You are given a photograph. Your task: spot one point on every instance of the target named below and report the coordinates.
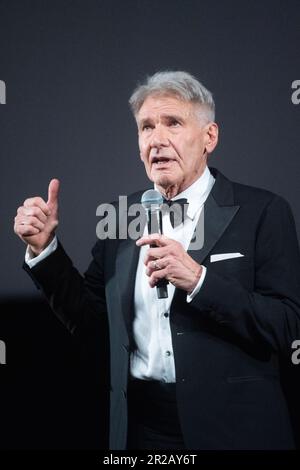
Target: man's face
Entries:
(173, 142)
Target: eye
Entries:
(174, 123)
(146, 127)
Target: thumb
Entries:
(53, 190)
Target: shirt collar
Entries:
(197, 193)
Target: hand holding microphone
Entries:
(152, 201)
(166, 260)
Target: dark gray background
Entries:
(69, 68)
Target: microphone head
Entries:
(151, 200)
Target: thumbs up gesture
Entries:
(36, 220)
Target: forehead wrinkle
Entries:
(166, 105)
(164, 115)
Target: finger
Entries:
(155, 253)
(151, 267)
(154, 266)
(154, 238)
(33, 210)
(26, 230)
(30, 220)
(37, 202)
(53, 190)
(157, 265)
(156, 276)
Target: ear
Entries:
(212, 137)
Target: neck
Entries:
(169, 192)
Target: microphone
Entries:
(151, 202)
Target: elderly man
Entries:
(197, 370)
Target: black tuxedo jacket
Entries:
(226, 342)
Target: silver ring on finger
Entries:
(156, 265)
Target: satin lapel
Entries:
(126, 267)
(126, 264)
(216, 220)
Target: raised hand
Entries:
(36, 220)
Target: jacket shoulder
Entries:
(246, 194)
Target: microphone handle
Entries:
(162, 289)
(155, 226)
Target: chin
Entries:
(163, 178)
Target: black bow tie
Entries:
(179, 209)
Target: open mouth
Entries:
(161, 161)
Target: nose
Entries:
(159, 137)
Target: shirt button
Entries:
(168, 353)
(166, 314)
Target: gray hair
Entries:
(180, 84)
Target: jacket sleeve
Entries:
(270, 314)
(73, 297)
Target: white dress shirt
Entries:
(153, 358)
